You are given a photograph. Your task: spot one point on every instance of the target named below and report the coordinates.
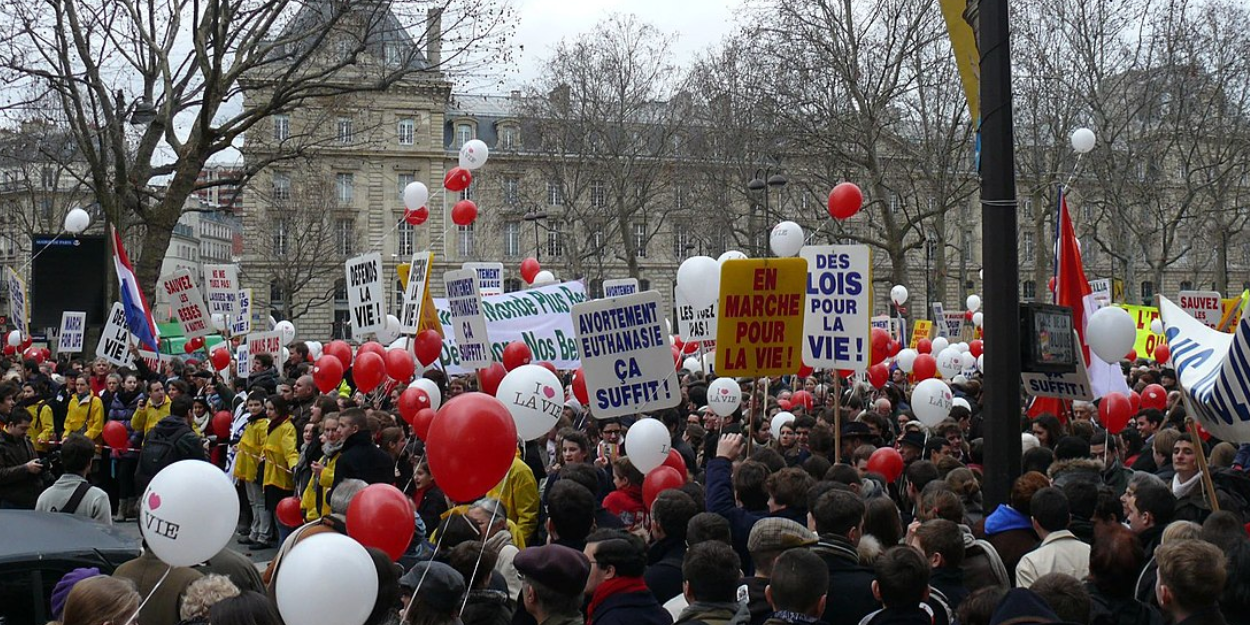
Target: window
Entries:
(679, 199)
(344, 188)
(1187, 285)
(281, 127)
(281, 237)
(894, 203)
(509, 138)
(340, 291)
(931, 247)
(470, 190)
(281, 187)
(345, 236)
(1028, 290)
(644, 285)
(407, 131)
(511, 285)
(555, 194)
(970, 244)
(681, 238)
(405, 239)
(640, 239)
(47, 177)
(1026, 247)
(511, 190)
(343, 48)
(598, 194)
(342, 323)
(596, 288)
(392, 54)
(1147, 291)
(464, 134)
(555, 240)
(403, 181)
(512, 239)
(345, 132)
(464, 241)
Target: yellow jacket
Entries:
(42, 428)
(319, 488)
(519, 493)
(251, 446)
(87, 419)
(281, 456)
(147, 417)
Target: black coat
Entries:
(849, 582)
(663, 573)
(362, 460)
(1104, 610)
(631, 608)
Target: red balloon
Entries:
(488, 379)
(421, 422)
(26, 342)
(845, 200)
(416, 217)
(887, 462)
(380, 516)
(464, 212)
(660, 479)
(399, 364)
(368, 371)
(675, 461)
(9, 350)
(327, 372)
(579, 387)
(676, 357)
(530, 269)
(924, 367)
(1154, 396)
(457, 179)
(895, 346)
(1051, 284)
(802, 398)
(428, 346)
(516, 354)
(289, 512)
(880, 345)
(188, 347)
(340, 350)
(805, 371)
(550, 367)
(1131, 356)
(471, 445)
(412, 401)
(47, 353)
(1162, 353)
(220, 358)
(878, 375)
(115, 435)
(967, 315)
(371, 347)
(1134, 400)
(33, 354)
(1114, 411)
(924, 346)
(784, 404)
(976, 347)
(221, 424)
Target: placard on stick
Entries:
(221, 289)
(417, 285)
(626, 355)
(761, 316)
(693, 323)
(619, 287)
(364, 294)
(18, 310)
(838, 313)
(467, 319)
(114, 345)
(188, 303)
(242, 323)
(73, 327)
(264, 343)
(489, 277)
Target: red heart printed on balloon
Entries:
(549, 392)
(154, 501)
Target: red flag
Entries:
(1071, 287)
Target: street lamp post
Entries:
(765, 180)
(535, 217)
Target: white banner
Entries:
(1206, 307)
(414, 295)
(694, 324)
(1213, 369)
(221, 289)
(188, 303)
(114, 345)
(18, 308)
(626, 355)
(73, 327)
(467, 320)
(365, 296)
(953, 325)
(489, 277)
(618, 287)
(538, 317)
(242, 323)
(836, 326)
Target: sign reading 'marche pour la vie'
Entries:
(760, 330)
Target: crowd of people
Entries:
(774, 525)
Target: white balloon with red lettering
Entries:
(950, 362)
(931, 401)
(724, 395)
(322, 580)
(786, 239)
(286, 331)
(188, 512)
(532, 396)
(473, 154)
(647, 444)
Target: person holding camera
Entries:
(20, 468)
(72, 493)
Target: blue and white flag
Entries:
(1213, 369)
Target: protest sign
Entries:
(836, 326)
(1232, 311)
(954, 325)
(1101, 290)
(73, 327)
(416, 285)
(241, 323)
(538, 317)
(626, 355)
(264, 343)
(188, 303)
(761, 317)
(242, 362)
(694, 324)
(364, 294)
(1207, 307)
(18, 306)
(1072, 385)
(114, 345)
(489, 277)
(1211, 369)
(153, 360)
(922, 330)
(1146, 340)
(618, 287)
(221, 289)
(467, 320)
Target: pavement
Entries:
(260, 557)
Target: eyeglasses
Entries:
(611, 432)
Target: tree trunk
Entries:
(160, 223)
(1221, 263)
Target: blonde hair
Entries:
(203, 593)
(1180, 530)
(100, 599)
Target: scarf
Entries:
(795, 617)
(614, 586)
(275, 423)
(1182, 489)
(330, 448)
(201, 423)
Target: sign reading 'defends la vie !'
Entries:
(364, 294)
(188, 303)
(626, 355)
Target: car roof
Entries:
(43, 535)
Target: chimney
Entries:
(515, 94)
(434, 37)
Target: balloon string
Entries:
(1076, 169)
(403, 618)
(160, 581)
(494, 510)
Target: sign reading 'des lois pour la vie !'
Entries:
(839, 307)
(760, 329)
(626, 355)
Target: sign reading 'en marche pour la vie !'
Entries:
(626, 355)
(760, 330)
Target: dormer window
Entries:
(509, 138)
(464, 134)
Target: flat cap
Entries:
(915, 439)
(856, 429)
(778, 534)
(557, 567)
(442, 588)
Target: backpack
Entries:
(159, 451)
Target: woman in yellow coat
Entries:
(42, 428)
(315, 501)
(249, 457)
(86, 412)
(281, 456)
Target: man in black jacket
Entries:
(264, 374)
(670, 515)
(20, 468)
(170, 441)
(361, 459)
(838, 518)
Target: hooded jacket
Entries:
(1064, 472)
(362, 460)
(18, 486)
(981, 566)
(1011, 533)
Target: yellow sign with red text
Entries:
(760, 327)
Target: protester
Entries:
(1060, 550)
(100, 599)
(72, 493)
(21, 470)
(617, 592)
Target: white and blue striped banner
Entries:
(1213, 369)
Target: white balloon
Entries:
(906, 359)
(898, 294)
(786, 239)
(981, 363)
(544, 277)
(961, 402)
(731, 255)
(959, 379)
(416, 194)
(77, 220)
(533, 398)
(314, 349)
(400, 343)
(647, 444)
(188, 512)
(286, 330)
(779, 419)
(974, 302)
(316, 572)
(1156, 326)
(285, 354)
(15, 338)
(1111, 333)
(939, 344)
(724, 395)
(698, 277)
(436, 396)
(390, 331)
(962, 347)
(931, 401)
(950, 362)
(219, 322)
(1083, 140)
(692, 364)
(473, 154)
(969, 361)
(978, 319)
